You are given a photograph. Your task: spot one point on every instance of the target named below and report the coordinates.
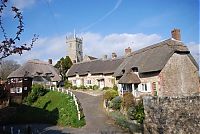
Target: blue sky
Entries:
(105, 25)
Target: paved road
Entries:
(96, 119)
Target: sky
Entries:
(106, 25)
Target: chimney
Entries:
(114, 55)
(128, 51)
(176, 34)
(105, 57)
(50, 61)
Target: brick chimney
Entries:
(50, 61)
(128, 51)
(176, 34)
(114, 55)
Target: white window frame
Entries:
(25, 88)
(12, 90)
(18, 90)
(89, 82)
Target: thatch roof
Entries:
(129, 78)
(153, 58)
(34, 68)
(98, 66)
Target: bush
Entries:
(95, 87)
(136, 113)
(116, 103)
(82, 87)
(37, 91)
(67, 84)
(115, 87)
(90, 87)
(106, 88)
(110, 94)
(128, 100)
(74, 87)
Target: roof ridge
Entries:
(162, 43)
(83, 62)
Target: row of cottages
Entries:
(33, 71)
(164, 69)
(94, 72)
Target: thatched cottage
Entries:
(164, 69)
(95, 72)
(33, 71)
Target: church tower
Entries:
(75, 48)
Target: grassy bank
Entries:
(52, 108)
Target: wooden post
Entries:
(71, 93)
(11, 130)
(79, 115)
(4, 128)
(18, 132)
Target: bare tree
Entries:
(8, 46)
(7, 67)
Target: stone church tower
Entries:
(75, 48)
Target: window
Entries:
(89, 82)
(19, 80)
(12, 90)
(18, 90)
(74, 82)
(144, 87)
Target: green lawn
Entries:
(52, 108)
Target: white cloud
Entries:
(94, 44)
(21, 4)
(98, 45)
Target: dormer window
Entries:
(135, 69)
(123, 71)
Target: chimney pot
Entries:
(50, 61)
(128, 51)
(114, 55)
(176, 34)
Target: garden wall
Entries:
(172, 115)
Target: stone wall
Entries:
(172, 115)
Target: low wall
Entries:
(172, 115)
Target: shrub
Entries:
(106, 88)
(67, 84)
(37, 91)
(128, 100)
(95, 87)
(110, 94)
(115, 87)
(82, 87)
(136, 113)
(116, 103)
(90, 87)
(74, 87)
